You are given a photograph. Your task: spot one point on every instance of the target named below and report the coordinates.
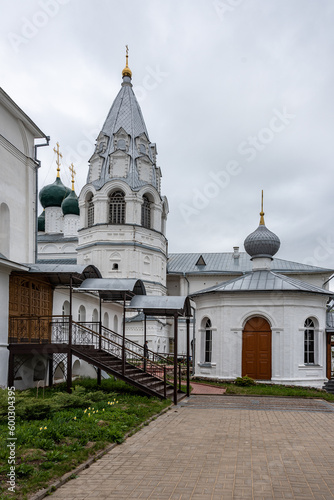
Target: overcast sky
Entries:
(237, 95)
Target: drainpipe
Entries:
(38, 164)
(194, 327)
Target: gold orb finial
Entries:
(127, 71)
(262, 212)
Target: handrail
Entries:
(127, 350)
(153, 354)
(55, 329)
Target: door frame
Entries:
(243, 351)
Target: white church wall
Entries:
(286, 313)
(17, 196)
(71, 225)
(4, 300)
(138, 251)
(54, 220)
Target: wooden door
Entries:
(30, 309)
(256, 349)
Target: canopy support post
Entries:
(100, 343)
(175, 357)
(123, 346)
(188, 356)
(69, 353)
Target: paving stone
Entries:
(220, 447)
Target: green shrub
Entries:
(24, 470)
(33, 410)
(244, 381)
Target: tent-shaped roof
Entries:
(111, 289)
(162, 306)
(264, 281)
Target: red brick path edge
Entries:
(199, 388)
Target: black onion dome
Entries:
(262, 243)
(53, 194)
(70, 205)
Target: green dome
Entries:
(71, 205)
(53, 194)
(41, 222)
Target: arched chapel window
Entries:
(309, 342)
(146, 213)
(117, 208)
(208, 341)
(65, 308)
(82, 313)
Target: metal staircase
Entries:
(104, 349)
(149, 374)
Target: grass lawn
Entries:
(57, 431)
(270, 390)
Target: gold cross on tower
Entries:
(73, 173)
(59, 155)
(262, 212)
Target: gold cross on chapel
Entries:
(59, 155)
(73, 173)
(262, 212)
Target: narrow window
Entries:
(309, 358)
(90, 212)
(146, 213)
(208, 342)
(82, 314)
(117, 208)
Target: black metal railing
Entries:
(38, 329)
(134, 346)
(82, 335)
(63, 330)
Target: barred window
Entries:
(309, 358)
(208, 342)
(146, 213)
(117, 208)
(90, 213)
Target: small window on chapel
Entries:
(115, 267)
(208, 342)
(309, 342)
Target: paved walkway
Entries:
(220, 447)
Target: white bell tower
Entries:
(122, 213)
